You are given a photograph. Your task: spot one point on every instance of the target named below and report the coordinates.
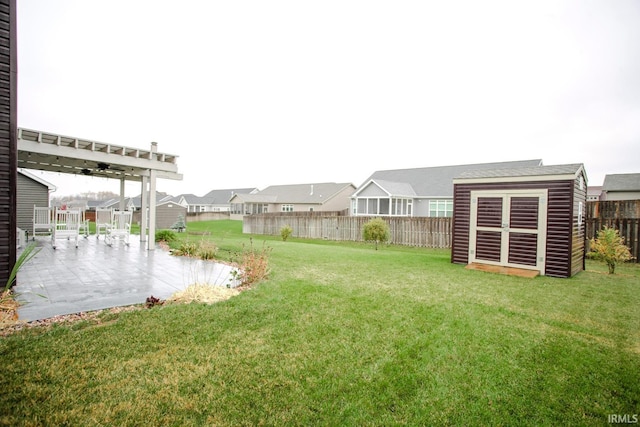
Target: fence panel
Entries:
(424, 232)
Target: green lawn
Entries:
(342, 334)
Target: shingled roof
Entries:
(437, 181)
(622, 182)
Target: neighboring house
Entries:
(625, 186)
(594, 193)
(319, 197)
(213, 201)
(31, 191)
(419, 192)
(131, 203)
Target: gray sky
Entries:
(259, 93)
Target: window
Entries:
(286, 208)
(580, 207)
(440, 208)
(384, 206)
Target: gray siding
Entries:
(167, 215)
(30, 193)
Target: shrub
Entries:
(376, 230)
(285, 232)
(207, 250)
(187, 249)
(165, 236)
(254, 264)
(609, 247)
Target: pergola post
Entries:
(144, 206)
(121, 194)
(152, 199)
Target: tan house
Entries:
(623, 186)
(318, 197)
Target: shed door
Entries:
(508, 228)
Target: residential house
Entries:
(213, 201)
(31, 191)
(593, 193)
(418, 192)
(625, 186)
(319, 197)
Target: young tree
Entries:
(376, 230)
(609, 247)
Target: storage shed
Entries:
(167, 213)
(528, 218)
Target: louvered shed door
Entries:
(508, 229)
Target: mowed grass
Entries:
(342, 334)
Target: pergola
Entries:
(57, 153)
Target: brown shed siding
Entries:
(8, 140)
(559, 255)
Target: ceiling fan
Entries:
(100, 167)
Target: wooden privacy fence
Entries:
(623, 215)
(424, 232)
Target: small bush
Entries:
(376, 230)
(207, 250)
(285, 232)
(609, 247)
(254, 265)
(187, 249)
(165, 236)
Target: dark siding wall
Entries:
(8, 140)
(559, 229)
(461, 223)
(30, 193)
(579, 226)
(559, 222)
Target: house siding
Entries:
(563, 251)
(167, 215)
(30, 193)
(8, 137)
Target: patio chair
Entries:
(120, 228)
(42, 221)
(84, 224)
(66, 225)
(104, 218)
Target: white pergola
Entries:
(57, 153)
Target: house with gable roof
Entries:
(317, 197)
(213, 201)
(417, 192)
(624, 186)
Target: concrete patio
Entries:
(95, 276)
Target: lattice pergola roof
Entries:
(57, 153)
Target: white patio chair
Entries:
(66, 225)
(120, 227)
(42, 221)
(104, 218)
(84, 224)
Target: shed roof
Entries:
(622, 182)
(541, 172)
(438, 181)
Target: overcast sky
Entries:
(259, 93)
